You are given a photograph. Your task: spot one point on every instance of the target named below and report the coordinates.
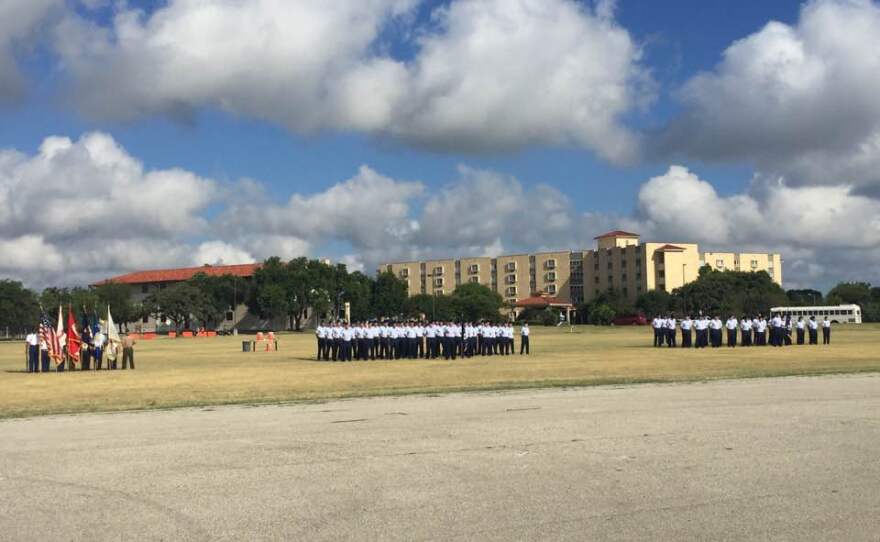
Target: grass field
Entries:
(208, 371)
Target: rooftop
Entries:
(182, 273)
(617, 233)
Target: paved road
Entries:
(781, 459)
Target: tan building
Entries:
(620, 261)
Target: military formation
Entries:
(704, 331)
(340, 341)
(95, 353)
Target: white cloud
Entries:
(824, 233)
(19, 21)
(799, 101)
(491, 74)
(220, 253)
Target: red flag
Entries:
(73, 339)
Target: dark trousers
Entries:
(800, 336)
(33, 359)
(658, 337)
(44, 361)
(826, 335)
(374, 348)
(345, 351)
(686, 338)
(128, 357)
(523, 344)
(760, 338)
(670, 337)
(334, 349)
(85, 356)
(814, 336)
(731, 337)
(319, 356)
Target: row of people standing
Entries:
(340, 341)
(703, 331)
(92, 354)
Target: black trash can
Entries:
(245, 346)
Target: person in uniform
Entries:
(826, 331)
(686, 335)
(669, 327)
(99, 341)
(128, 343)
(657, 324)
(32, 351)
(732, 325)
(44, 356)
(524, 339)
(346, 345)
(787, 331)
(760, 331)
(800, 329)
(813, 328)
(745, 331)
(321, 335)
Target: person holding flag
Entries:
(113, 341)
(49, 344)
(74, 343)
(86, 345)
(62, 342)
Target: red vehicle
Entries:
(631, 320)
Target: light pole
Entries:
(683, 291)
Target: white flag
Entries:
(59, 329)
(112, 333)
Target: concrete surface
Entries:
(778, 459)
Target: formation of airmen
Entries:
(340, 341)
(704, 331)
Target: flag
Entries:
(73, 339)
(49, 337)
(112, 333)
(86, 329)
(59, 329)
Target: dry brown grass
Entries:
(189, 372)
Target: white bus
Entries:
(838, 314)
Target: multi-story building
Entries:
(619, 261)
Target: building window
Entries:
(623, 263)
(596, 280)
(474, 269)
(511, 291)
(474, 280)
(145, 319)
(638, 276)
(754, 264)
(623, 277)
(145, 289)
(438, 282)
(229, 316)
(510, 267)
(610, 279)
(661, 274)
(510, 279)
(609, 265)
(551, 276)
(162, 286)
(438, 292)
(719, 264)
(550, 264)
(625, 292)
(438, 270)
(404, 273)
(551, 289)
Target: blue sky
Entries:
(675, 40)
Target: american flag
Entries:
(48, 335)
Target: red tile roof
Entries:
(183, 273)
(671, 248)
(617, 233)
(541, 301)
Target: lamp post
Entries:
(683, 282)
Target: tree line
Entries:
(279, 290)
(728, 292)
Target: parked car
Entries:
(631, 320)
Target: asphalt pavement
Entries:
(765, 459)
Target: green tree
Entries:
(389, 295)
(845, 293)
(19, 307)
(433, 307)
(222, 293)
(118, 297)
(602, 315)
(472, 302)
(179, 303)
(730, 292)
(654, 302)
(804, 298)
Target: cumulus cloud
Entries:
(824, 233)
(19, 21)
(794, 100)
(311, 66)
